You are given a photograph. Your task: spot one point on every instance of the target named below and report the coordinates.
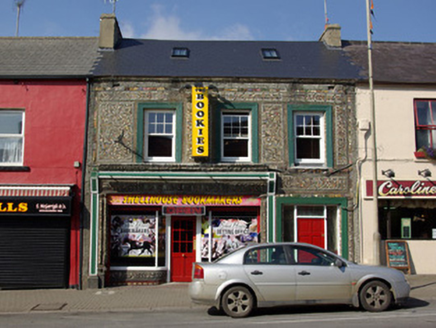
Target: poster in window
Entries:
(228, 234)
(133, 235)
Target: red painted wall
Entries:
(53, 140)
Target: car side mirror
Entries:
(339, 263)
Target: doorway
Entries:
(182, 248)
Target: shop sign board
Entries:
(184, 210)
(182, 200)
(34, 206)
(397, 254)
(396, 189)
(200, 122)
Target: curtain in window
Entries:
(10, 150)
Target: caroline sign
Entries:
(200, 122)
(393, 188)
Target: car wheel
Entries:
(237, 302)
(375, 296)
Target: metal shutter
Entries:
(34, 252)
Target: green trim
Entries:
(254, 110)
(340, 201)
(329, 128)
(140, 128)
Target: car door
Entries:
(269, 270)
(318, 277)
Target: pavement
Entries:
(169, 296)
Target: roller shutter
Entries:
(34, 252)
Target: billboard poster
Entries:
(228, 234)
(133, 235)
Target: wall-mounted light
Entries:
(424, 173)
(388, 173)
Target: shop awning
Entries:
(35, 191)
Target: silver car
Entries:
(265, 275)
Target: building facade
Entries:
(404, 97)
(42, 131)
(197, 148)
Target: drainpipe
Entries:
(82, 196)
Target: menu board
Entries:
(397, 255)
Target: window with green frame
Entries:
(237, 130)
(159, 132)
(310, 136)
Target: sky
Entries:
(278, 20)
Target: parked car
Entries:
(266, 275)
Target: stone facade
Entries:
(113, 145)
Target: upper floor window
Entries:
(11, 137)
(236, 136)
(425, 123)
(158, 139)
(310, 136)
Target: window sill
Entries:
(14, 169)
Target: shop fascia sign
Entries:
(200, 122)
(393, 188)
(35, 206)
(183, 210)
(182, 200)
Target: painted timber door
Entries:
(311, 231)
(183, 248)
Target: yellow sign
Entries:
(200, 122)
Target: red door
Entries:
(183, 248)
(311, 231)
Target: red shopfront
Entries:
(156, 238)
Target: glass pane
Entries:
(316, 131)
(152, 117)
(308, 148)
(169, 118)
(159, 128)
(151, 128)
(236, 148)
(160, 117)
(11, 150)
(168, 128)
(310, 211)
(11, 123)
(423, 112)
(422, 138)
(160, 146)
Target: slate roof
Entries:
(395, 62)
(47, 57)
(298, 60)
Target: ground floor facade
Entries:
(150, 227)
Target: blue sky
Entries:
(283, 20)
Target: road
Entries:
(415, 314)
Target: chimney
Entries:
(332, 35)
(110, 33)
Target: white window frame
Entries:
(21, 135)
(249, 137)
(322, 140)
(171, 158)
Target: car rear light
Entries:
(198, 272)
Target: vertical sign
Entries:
(200, 122)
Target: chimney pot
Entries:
(332, 35)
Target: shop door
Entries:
(311, 231)
(183, 248)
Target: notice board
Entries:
(397, 255)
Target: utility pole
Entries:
(376, 234)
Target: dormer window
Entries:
(270, 53)
(180, 53)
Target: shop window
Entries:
(137, 240)
(11, 137)
(399, 222)
(159, 133)
(227, 232)
(238, 135)
(425, 124)
(310, 141)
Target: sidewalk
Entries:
(139, 298)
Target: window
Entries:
(157, 139)
(310, 141)
(180, 52)
(236, 136)
(11, 137)
(266, 255)
(270, 54)
(425, 123)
